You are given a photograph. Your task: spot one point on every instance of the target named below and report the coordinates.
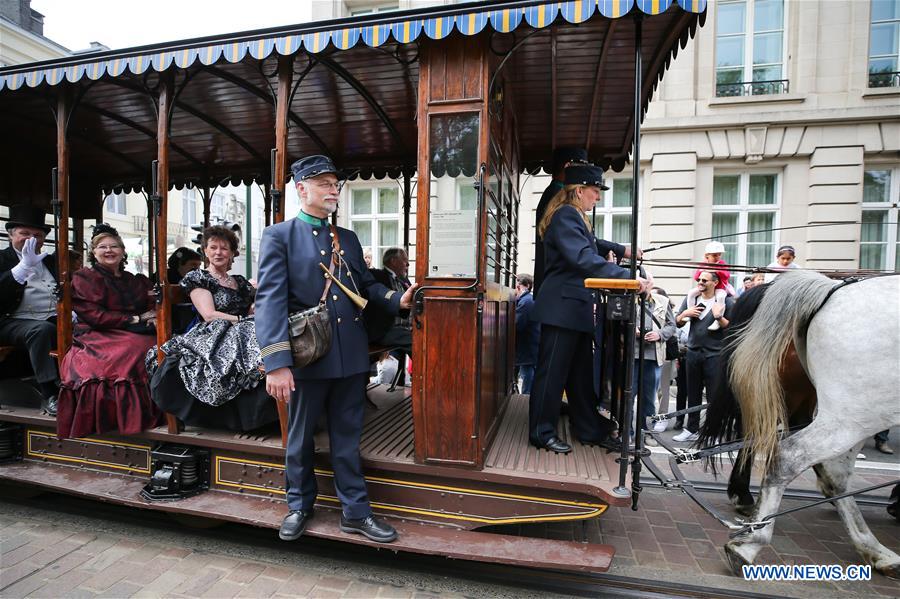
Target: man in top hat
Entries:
(291, 279)
(27, 302)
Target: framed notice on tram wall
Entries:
(451, 251)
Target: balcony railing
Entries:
(888, 79)
(752, 88)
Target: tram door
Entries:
(464, 336)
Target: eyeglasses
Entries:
(704, 280)
(104, 248)
(337, 185)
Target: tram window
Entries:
(453, 216)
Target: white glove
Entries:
(24, 270)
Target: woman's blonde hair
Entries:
(568, 195)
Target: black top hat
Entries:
(311, 166)
(25, 215)
(585, 174)
(568, 154)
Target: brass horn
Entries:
(359, 301)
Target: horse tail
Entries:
(722, 423)
(759, 347)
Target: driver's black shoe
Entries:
(48, 405)
(554, 444)
(370, 527)
(294, 524)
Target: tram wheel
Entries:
(195, 522)
(19, 492)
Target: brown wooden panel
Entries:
(444, 401)
(456, 70)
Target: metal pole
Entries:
(248, 235)
(407, 207)
(621, 489)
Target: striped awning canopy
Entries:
(355, 95)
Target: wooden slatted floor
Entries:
(388, 438)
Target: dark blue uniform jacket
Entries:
(570, 257)
(528, 331)
(290, 279)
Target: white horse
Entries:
(850, 348)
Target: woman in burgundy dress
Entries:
(103, 379)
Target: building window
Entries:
(356, 8)
(884, 44)
(879, 240)
(375, 218)
(189, 206)
(612, 217)
(115, 203)
(217, 207)
(745, 208)
(750, 48)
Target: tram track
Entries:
(242, 540)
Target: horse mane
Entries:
(759, 349)
(722, 423)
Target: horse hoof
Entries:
(891, 571)
(735, 560)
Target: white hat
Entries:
(714, 247)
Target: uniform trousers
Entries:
(343, 401)
(37, 337)
(565, 362)
(702, 372)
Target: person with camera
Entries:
(292, 258)
(704, 344)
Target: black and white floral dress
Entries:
(211, 375)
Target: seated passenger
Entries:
(27, 303)
(382, 328)
(104, 382)
(182, 261)
(386, 330)
(211, 374)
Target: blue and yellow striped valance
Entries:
(370, 34)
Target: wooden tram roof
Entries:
(356, 99)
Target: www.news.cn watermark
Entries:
(832, 572)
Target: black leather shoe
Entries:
(554, 444)
(293, 525)
(606, 443)
(48, 405)
(370, 527)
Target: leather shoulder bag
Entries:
(310, 330)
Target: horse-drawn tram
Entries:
(455, 103)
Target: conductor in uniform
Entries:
(291, 279)
(565, 309)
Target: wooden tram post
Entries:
(463, 319)
(61, 209)
(275, 198)
(161, 181)
(279, 158)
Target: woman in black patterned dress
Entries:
(211, 375)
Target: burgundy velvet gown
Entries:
(104, 383)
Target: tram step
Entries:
(267, 513)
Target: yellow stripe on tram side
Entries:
(479, 519)
(427, 486)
